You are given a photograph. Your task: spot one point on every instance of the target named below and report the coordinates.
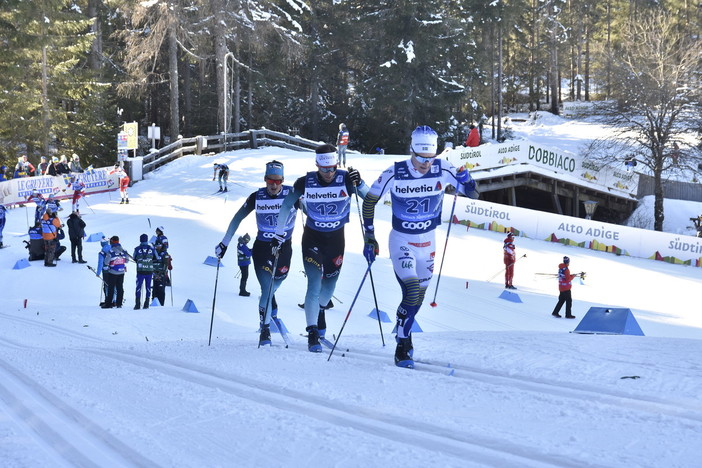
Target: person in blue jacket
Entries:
(102, 271)
(145, 257)
(243, 256)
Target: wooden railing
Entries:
(213, 144)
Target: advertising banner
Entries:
(578, 232)
(17, 191)
(519, 152)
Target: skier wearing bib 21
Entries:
(417, 188)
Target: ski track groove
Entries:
(577, 391)
(446, 440)
(463, 446)
(74, 439)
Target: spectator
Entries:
(630, 163)
(161, 278)
(76, 233)
(145, 257)
(54, 166)
(243, 255)
(564, 284)
(473, 137)
(510, 257)
(103, 271)
(36, 242)
(3, 214)
(342, 142)
(223, 170)
(75, 166)
(161, 239)
(3, 173)
(49, 227)
(116, 262)
(62, 167)
(23, 168)
(43, 167)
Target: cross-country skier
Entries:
(221, 171)
(565, 282)
(123, 183)
(417, 189)
(327, 192)
(267, 202)
(78, 188)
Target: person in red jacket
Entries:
(565, 279)
(123, 183)
(510, 257)
(473, 137)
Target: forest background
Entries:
(72, 72)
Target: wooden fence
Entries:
(224, 142)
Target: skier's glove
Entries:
(462, 175)
(371, 247)
(276, 242)
(220, 250)
(354, 176)
(582, 275)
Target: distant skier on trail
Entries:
(267, 203)
(342, 142)
(327, 192)
(221, 172)
(123, 183)
(417, 189)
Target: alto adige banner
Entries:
(578, 232)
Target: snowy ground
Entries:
(82, 386)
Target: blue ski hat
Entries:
(274, 168)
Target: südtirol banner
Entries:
(577, 232)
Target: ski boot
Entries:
(265, 337)
(403, 353)
(137, 306)
(146, 304)
(321, 323)
(313, 339)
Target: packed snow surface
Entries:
(498, 383)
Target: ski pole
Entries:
(365, 275)
(375, 297)
(85, 199)
(503, 269)
(443, 255)
(214, 298)
(170, 280)
(270, 292)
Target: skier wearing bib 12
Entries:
(328, 193)
(417, 188)
(267, 202)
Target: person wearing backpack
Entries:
(116, 260)
(145, 258)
